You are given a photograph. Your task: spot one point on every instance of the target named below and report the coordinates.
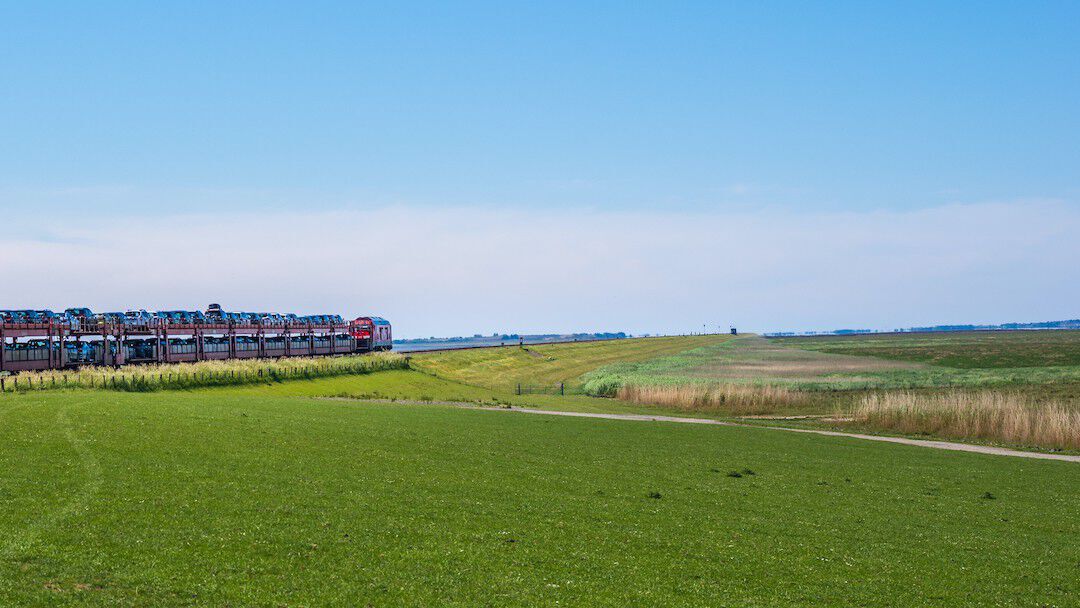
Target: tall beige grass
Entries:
(988, 415)
(168, 376)
(735, 399)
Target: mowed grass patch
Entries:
(548, 365)
(224, 497)
(963, 350)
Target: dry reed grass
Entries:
(228, 372)
(988, 415)
(734, 399)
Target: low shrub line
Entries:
(173, 376)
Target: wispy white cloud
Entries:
(476, 269)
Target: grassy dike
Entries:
(549, 364)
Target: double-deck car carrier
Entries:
(40, 340)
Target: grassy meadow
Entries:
(758, 361)
(1014, 388)
(287, 494)
(960, 350)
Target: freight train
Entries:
(32, 340)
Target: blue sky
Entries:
(794, 113)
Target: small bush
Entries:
(606, 386)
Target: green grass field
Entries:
(267, 496)
(420, 388)
(856, 364)
(1041, 365)
(371, 490)
(963, 350)
(1025, 396)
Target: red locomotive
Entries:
(373, 332)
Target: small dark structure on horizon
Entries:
(734, 331)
